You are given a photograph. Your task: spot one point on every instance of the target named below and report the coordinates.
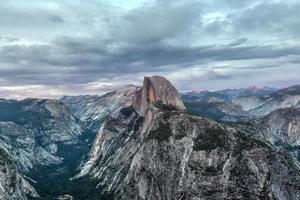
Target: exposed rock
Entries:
(237, 103)
(13, 185)
(58, 124)
(261, 106)
(19, 142)
(93, 109)
(248, 103)
(148, 147)
(36, 133)
(186, 157)
(154, 150)
(65, 197)
(156, 88)
(32, 127)
(281, 128)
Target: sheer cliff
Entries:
(153, 149)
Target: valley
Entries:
(150, 142)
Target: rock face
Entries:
(20, 142)
(93, 109)
(59, 124)
(154, 150)
(31, 130)
(248, 103)
(230, 105)
(34, 133)
(156, 88)
(184, 157)
(281, 128)
(148, 147)
(13, 185)
(261, 106)
(49, 119)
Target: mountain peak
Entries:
(255, 88)
(155, 89)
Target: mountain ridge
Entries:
(136, 154)
(143, 142)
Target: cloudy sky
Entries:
(49, 48)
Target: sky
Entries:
(61, 47)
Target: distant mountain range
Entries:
(150, 142)
(229, 105)
(228, 94)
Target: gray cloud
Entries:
(68, 62)
(238, 42)
(151, 24)
(8, 39)
(280, 18)
(271, 18)
(63, 45)
(56, 19)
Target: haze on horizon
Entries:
(60, 47)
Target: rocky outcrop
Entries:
(156, 88)
(155, 150)
(45, 141)
(248, 103)
(261, 106)
(241, 103)
(181, 156)
(23, 147)
(148, 147)
(281, 128)
(13, 185)
(32, 129)
(57, 123)
(92, 109)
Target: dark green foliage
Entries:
(126, 112)
(204, 95)
(211, 171)
(211, 138)
(181, 131)
(204, 109)
(212, 191)
(266, 194)
(5, 158)
(248, 142)
(162, 133)
(54, 180)
(242, 176)
(165, 107)
(292, 91)
(14, 111)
